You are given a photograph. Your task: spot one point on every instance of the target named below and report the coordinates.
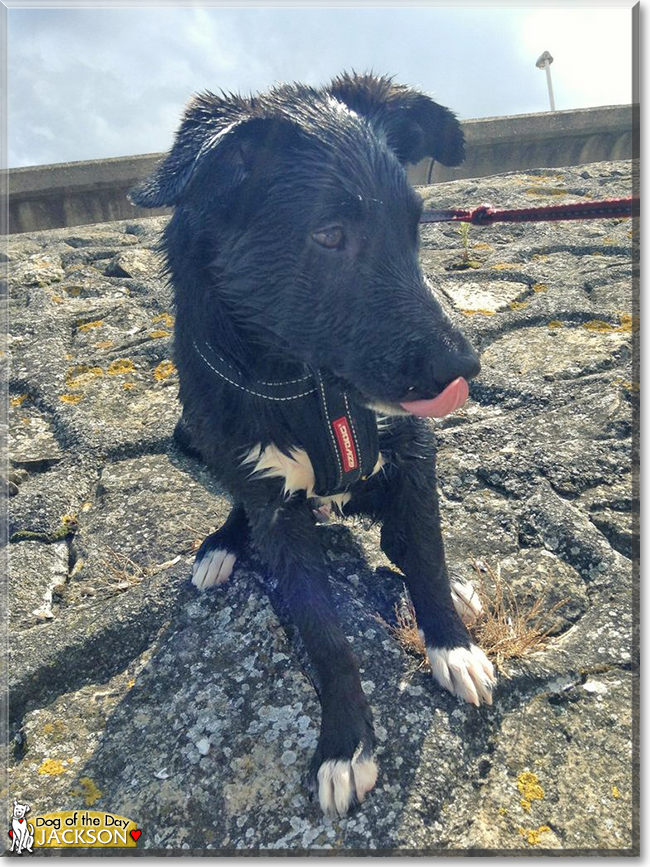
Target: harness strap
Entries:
(338, 433)
(342, 441)
(290, 389)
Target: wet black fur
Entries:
(252, 180)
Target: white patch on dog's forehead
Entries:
(340, 107)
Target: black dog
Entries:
(309, 347)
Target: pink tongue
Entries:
(449, 400)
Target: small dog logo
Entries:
(22, 832)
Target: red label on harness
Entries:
(346, 445)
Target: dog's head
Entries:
(297, 205)
(20, 810)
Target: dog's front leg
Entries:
(412, 539)
(343, 769)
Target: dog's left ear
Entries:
(415, 126)
(218, 144)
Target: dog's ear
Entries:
(217, 138)
(415, 126)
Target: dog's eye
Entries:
(331, 239)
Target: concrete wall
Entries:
(549, 139)
(74, 194)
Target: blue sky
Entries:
(86, 83)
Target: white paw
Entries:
(466, 601)
(342, 784)
(464, 671)
(214, 568)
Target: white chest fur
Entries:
(297, 471)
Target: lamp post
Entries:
(544, 62)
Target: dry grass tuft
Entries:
(127, 573)
(124, 571)
(197, 536)
(503, 629)
(405, 632)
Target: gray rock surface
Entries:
(192, 714)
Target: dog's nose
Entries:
(449, 366)
(431, 379)
(470, 365)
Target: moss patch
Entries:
(52, 767)
(533, 835)
(627, 324)
(481, 311)
(529, 788)
(80, 375)
(120, 365)
(91, 794)
(165, 319)
(556, 192)
(87, 326)
(164, 370)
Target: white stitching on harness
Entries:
(222, 360)
(248, 390)
(288, 381)
(321, 392)
(274, 384)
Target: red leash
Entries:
(485, 215)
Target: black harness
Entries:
(338, 433)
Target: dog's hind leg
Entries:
(342, 770)
(217, 556)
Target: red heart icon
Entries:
(135, 834)
(21, 821)
(11, 834)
